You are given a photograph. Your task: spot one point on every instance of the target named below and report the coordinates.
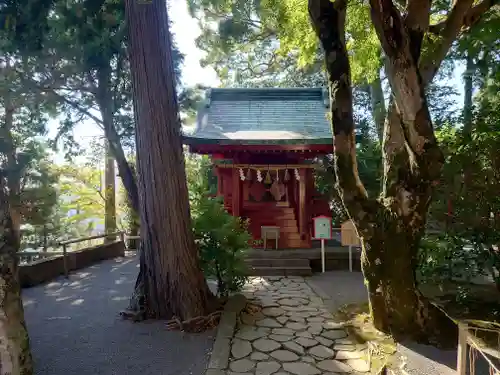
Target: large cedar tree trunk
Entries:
(391, 227)
(174, 282)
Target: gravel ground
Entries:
(420, 359)
(75, 328)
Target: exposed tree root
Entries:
(196, 324)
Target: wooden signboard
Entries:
(348, 234)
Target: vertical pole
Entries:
(122, 237)
(236, 193)
(323, 255)
(462, 349)
(302, 203)
(65, 261)
(350, 258)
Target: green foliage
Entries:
(222, 239)
(467, 203)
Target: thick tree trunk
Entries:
(174, 282)
(397, 307)
(110, 194)
(15, 354)
(390, 228)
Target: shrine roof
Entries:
(263, 116)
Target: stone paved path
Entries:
(293, 334)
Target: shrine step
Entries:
(280, 271)
(278, 267)
(277, 262)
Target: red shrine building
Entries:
(263, 144)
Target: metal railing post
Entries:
(462, 349)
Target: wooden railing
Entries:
(30, 256)
(471, 347)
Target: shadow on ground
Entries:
(348, 287)
(75, 328)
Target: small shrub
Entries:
(222, 240)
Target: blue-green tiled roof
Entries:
(267, 115)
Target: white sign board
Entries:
(322, 228)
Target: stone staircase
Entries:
(278, 267)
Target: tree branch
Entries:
(328, 21)
(407, 88)
(417, 22)
(462, 15)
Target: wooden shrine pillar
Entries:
(236, 199)
(218, 174)
(302, 204)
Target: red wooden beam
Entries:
(224, 149)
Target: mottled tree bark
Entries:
(15, 354)
(390, 227)
(174, 282)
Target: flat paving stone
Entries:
(305, 334)
(289, 302)
(281, 338)
(266, 345)
(242, 365)
(324, 341)
(258, 356)
(284, 355)
(305, 342)
(315, 319)
(296, 326)
(332, 325)
(273, 311)
(301, 368)
(334, 366)
(283, 331)
(343, 347)
(282, 319)
(249, 333)
(322, 352)
(267, 368)
(334, 334)
(294, 347)
(240, 348)
(268, 322)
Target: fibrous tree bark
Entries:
(174, 283)
(15, 355)
(392, 225)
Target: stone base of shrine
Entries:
(300, 262)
